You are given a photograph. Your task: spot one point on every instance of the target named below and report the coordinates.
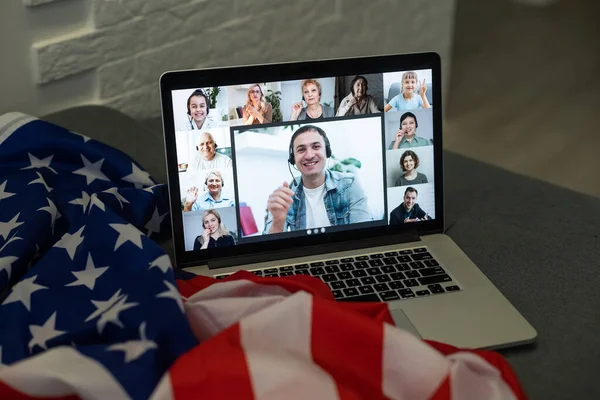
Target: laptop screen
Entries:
(259, 162)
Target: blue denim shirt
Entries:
(345, 203)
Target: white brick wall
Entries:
(129, 43)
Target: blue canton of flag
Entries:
(82, 283)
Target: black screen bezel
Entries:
(227, 76)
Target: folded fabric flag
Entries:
(90, 308)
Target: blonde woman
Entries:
(311, 94)
(215, 234)
(256, 110)
(412, 96)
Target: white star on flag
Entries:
(7, 227)
(109, 310)
(116, 193)
(7, 262)
(42, 334)
(139, 177)
(83, 201)
(95, 201)
(3, 193)
(22, 292)
(91, 171)
(127, 233)
(172, 293)
(54, 214)
(37, 163)
(41, 180)
(88, 276)
(134, 349)
(163, 263)
(70, 242)
(154, 224)
(150, 189)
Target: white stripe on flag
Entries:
(474, 378)
(411, 368)
(12, 121)
(62, 371)
(163, 390)
(277, 344)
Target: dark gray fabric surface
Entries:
(539, 244)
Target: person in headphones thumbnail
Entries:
(207, 157)
(358, 102)
(215, 234)
(409, 162)
(212, 197)
(322, 197)
(198, 106)
(256, 111)
(406, 136)
(409, 210)
(311, 94)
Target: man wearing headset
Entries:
(212, 197)
(322, 197)
(198, 106)
(207, 157)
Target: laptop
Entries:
(333, 169)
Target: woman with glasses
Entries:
(256, 110)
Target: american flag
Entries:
(90, 306)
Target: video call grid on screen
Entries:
(226, 124)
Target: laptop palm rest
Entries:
(403, 322)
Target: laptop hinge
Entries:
(404, 237)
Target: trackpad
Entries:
(403, 322)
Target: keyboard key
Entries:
(286, 273)
(301, 266)
(257, 272)
(344, 275)
(388, 269)
(403, 267)
(317, 264)
(404, 259)
(361, 264)
(416, 265)
(383, 278)
(373, 298)
(397, 276)
(452, 288)
(405, 252)
(421, 256)
(430, 280)
(412, 274)
(270, 271)
(396, 285)
(221, 276)
(303, 272)
(391, 254)
(432, 271)
(361, 258)
(346, 267)
(332, 262)
(330, 269)
(378, 255)
(374, 271)
(389, 261)
(271, 276)
(316, 271)
(431, 263)
(337, 285)
(350, 292)
(359, 273)
(337, 294)
(410, 282)
(437, 288)
(353, 282)
(423, 293)
(381, 287)
(420, 250)
(375, 263)
(329, 277)
(388, 296)
(406, 293)
(287, 268)
(366, 290)
(369, 280)
(347, 260)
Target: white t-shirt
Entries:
(316, 215)
(220, 161)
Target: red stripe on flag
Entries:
(349, 347)
(7, 392)
(216, 369)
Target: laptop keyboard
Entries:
(374, 277)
